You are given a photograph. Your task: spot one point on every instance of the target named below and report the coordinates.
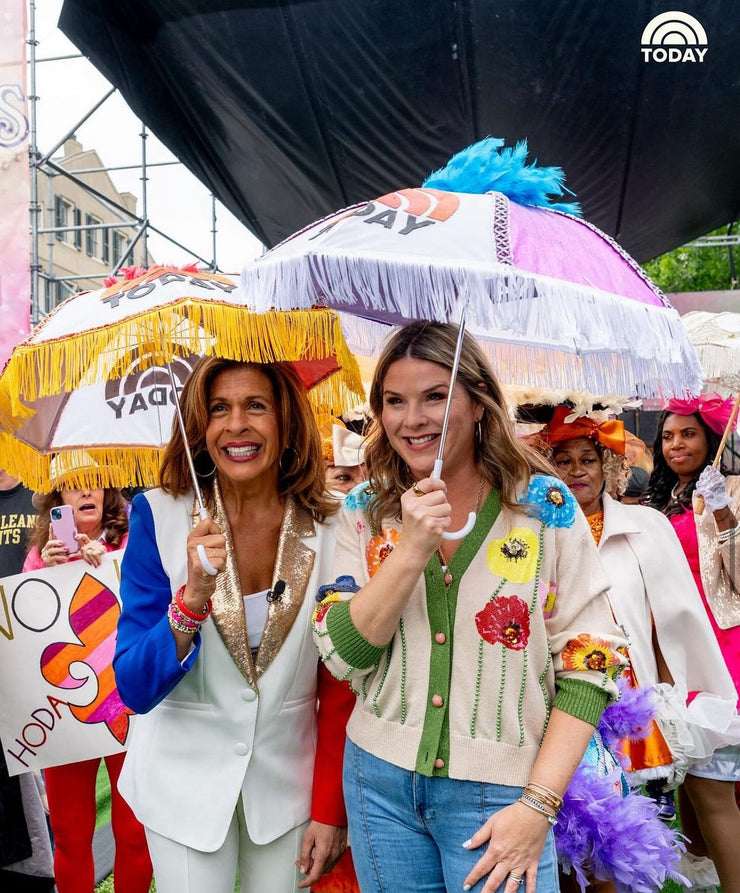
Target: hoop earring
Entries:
(199, 460)
(294, 462)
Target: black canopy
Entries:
(290, 109)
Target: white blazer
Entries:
(216, 737)
(651, 583)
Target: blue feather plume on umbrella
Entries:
(488, 166)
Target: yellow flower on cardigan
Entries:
(514, 557)
(588, 653)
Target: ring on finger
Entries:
(417, 490)
(515, 877)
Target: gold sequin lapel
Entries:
(293, 566)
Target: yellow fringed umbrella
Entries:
(96, 380)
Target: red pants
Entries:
(72, 812)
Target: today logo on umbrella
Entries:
(142, 389)
(158, 278)
(674, 37)
(410, 209)
(404, 211)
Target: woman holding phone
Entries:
(98, 524)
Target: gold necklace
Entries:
(447, 575)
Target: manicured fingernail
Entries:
(466, 886)
(467, 845)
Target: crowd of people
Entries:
(352, 672)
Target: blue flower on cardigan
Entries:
(553, 502)
(359, 497)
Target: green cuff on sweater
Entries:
(349, 643)
(581, 699)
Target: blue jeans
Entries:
(407, 830)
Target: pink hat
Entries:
(714, 410)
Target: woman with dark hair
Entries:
(481, 664)
(223, 762)
(703, 505)
(101, 520)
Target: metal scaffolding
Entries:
(42, 280)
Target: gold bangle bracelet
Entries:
(544, 795)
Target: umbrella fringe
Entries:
(644, 345)
(41, 368)
(720, 364)
(114, 467)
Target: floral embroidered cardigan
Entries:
(466, 685)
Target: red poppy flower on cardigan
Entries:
(505, 620)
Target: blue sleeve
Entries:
(145, 663)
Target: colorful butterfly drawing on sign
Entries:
(57, 639)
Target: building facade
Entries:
(86, 225)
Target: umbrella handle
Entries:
(201, 550)
(469, 524)
(463, 531)
(728, 429)
(437, 472)
(202, 511)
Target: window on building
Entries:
(92, 237)
(63, 290)
(120, 243)
(63, 217)
(78, 232)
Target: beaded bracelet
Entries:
(188, 612)
(728, 534)
(538, 807)
(179, 622)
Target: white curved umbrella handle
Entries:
(463, 531)
(201, 550)
(469, 524)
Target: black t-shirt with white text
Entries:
(17, 520)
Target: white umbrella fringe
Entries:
(616, 344)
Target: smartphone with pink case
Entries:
(63, 527)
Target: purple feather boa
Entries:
(629, 717)
(605, 836)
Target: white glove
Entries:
(711, 486)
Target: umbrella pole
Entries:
(207, 566)
(437, 471)
(728, 429)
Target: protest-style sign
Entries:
(57, 640)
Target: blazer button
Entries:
(437, 700)
(439, 764)
(440, 638)
(241, 749)
(249, 694)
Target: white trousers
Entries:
(271, 866)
